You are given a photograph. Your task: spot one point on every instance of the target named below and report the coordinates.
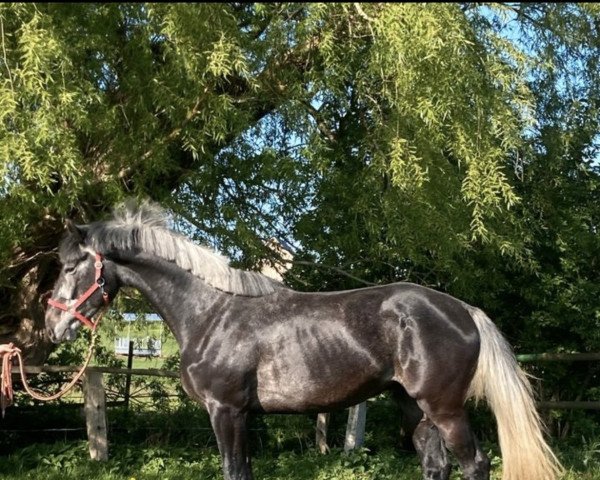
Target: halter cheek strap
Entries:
(97, 285)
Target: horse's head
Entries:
(86, 283)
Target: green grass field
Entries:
(66, 461)
(177, 443)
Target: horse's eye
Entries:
(70, 269)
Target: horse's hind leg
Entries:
(425, 437)
(458, 437)
(432, 452)
(411, 415)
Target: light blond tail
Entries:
(498, 378)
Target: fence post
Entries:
(128, 376)
(355, 431)
(95, 415)
(321, 434)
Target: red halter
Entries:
(97, 285)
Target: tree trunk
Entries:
(30, 277)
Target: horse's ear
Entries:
(79, 231)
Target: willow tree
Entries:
(379, 134)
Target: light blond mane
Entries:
(145, 227)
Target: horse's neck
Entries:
(180, 298)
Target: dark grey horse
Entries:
(249, 344)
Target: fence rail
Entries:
(558, 357)
(152, 372)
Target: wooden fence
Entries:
(95, 400)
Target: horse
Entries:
(249, 344)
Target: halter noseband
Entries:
(97, 285)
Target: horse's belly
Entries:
(298, 388)
(315, 365)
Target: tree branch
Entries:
(10, 79)
(335, 269)
(321, 125)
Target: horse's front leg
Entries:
(229, 425)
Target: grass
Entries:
(178, 444)
(69, 461)
(66, 461)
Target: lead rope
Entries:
(6, 390)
